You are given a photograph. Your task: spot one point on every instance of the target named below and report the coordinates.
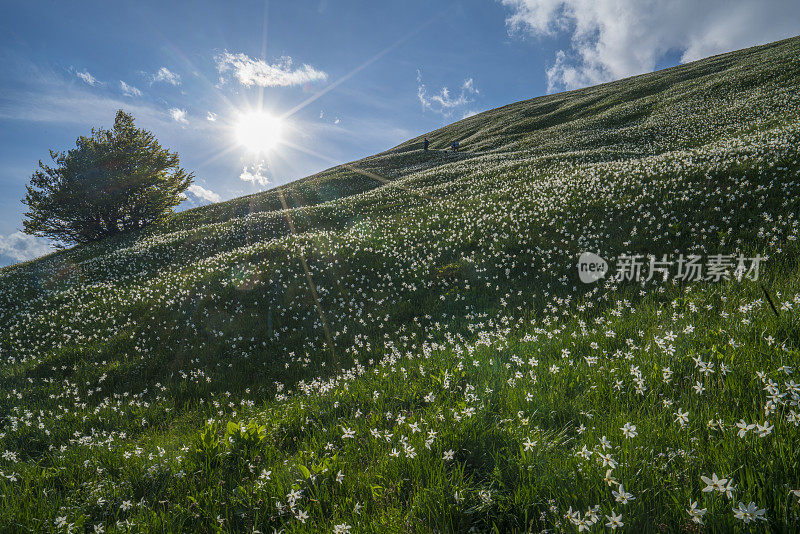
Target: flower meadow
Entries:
(402, 344)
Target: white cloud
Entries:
(255, 174)
(613, 39)
(178, 115)
(23, 247)
(44, 95)
(443, 102)
(211, 117)
(87, 77)
(250, 71)
(129, 90)
(167, 76)
(203, 194)
(66, 105)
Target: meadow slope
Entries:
(402, 343)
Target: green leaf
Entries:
(304, 470)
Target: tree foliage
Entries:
(113, 181)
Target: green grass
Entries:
(454, 375)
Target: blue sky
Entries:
(350, 78)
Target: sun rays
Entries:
(258, 132)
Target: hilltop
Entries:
(403, 343)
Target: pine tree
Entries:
(112, 182)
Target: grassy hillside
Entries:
(407, 346)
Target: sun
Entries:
(258, 131)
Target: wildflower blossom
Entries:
(622, 496)
(695, 513)
(714, 483)
(749, 513)
(614, 521)
(629, 431)
(682, 417)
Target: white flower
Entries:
(729, 489)
(764, 430)
(448, 455)
(714, 483)
(344, 528)
(749, 513)
(583, 524)
(294, 496)
(629, 430)
(614, 521)
(667, 374)
(571, 516)
(348, 433)
(696, 513)
(622, 496)
(743, 428)
(682, 417)
(608, 460)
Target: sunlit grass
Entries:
(180, 380)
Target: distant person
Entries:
(425, 144)
(454, 146)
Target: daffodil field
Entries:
(403, 344)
